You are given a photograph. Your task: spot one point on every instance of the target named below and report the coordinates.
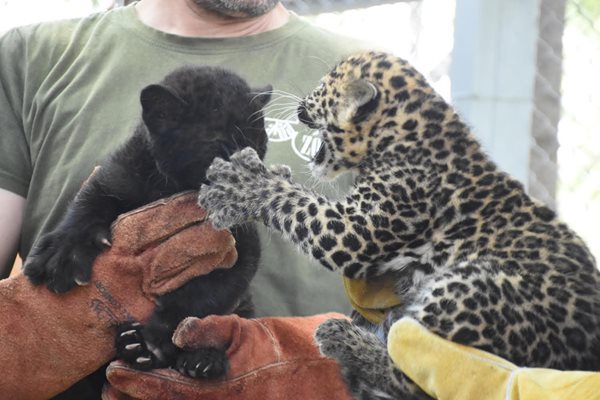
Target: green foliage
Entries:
(592, 7)
(589, 8)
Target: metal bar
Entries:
(543, 168)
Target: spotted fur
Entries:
(474, 258)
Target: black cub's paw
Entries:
(64, 258)
(131, 347)
(203, 363)
(134, 348)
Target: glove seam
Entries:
(277, 364)
(509, 383)
(154, 204)
(274, 342)
(193, 382)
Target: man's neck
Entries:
(181, 18)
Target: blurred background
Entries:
(524, 73)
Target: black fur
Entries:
(192, 116)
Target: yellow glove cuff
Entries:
(447, 370)
(371, 299)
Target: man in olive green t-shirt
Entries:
(69, 96)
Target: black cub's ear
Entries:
(360, 98)
(261, 96)
(160, 103)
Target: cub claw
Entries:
(143, 360)
(128, 333)
(131, 347)
(204, 362)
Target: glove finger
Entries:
(213, 331)
(110, 393)
(300, 379)
(253, 344)
(139, 229)
(152, 385)
(196, 251)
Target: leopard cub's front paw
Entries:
(282, 171)
(331, 337)
(232, 196)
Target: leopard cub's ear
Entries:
(359, 99)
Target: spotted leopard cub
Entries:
(473, 257)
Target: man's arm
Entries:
(12, 207)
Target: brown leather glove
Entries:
(51, 341)
(270, 358)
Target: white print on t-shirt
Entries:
(305, 143)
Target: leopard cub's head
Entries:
(357, 106)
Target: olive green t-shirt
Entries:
(69, 95)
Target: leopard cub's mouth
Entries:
(319, 158)
(318, 164)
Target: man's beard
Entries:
(237, 8)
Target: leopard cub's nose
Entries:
(304, 117)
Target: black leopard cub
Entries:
(195, 114)
(473, 257)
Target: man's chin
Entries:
(237, 8)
